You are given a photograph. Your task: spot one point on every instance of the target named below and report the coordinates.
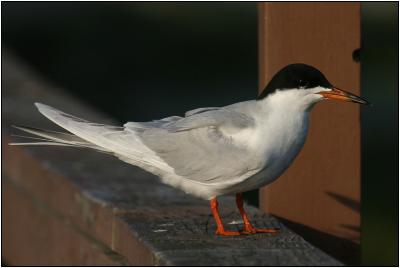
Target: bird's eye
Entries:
(303, 84)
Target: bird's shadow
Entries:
(346, 201)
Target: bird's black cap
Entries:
(296, 75)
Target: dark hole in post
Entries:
(356, 55)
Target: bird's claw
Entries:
(247, 231)
(227, 233)
(251, 230)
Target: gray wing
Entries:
(200, 110)
(141, 126)
(221, 118)
(202, 147)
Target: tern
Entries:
(213, 151)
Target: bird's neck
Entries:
(290, 101)
(283, 125)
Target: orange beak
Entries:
(341, 95)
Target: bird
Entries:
(213, 151)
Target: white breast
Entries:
(278, 138)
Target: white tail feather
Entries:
(122, 142)
(48, 137)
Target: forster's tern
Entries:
(213, 151)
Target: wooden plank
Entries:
(321, 190)
(35, 235)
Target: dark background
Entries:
(141, 61)
(379, 134)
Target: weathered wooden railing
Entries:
(66, 206)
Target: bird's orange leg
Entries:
(217, 217)
(248, 227)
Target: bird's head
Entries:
(304, 84)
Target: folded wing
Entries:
(202, 147)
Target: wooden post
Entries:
(320, 192)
